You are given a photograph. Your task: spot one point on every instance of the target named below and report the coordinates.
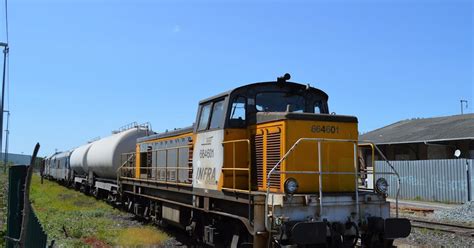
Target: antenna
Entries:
(462, 109)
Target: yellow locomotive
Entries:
(264, 165)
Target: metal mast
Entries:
(5, 55)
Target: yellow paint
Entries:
(138, 159)
(335, 157)
(235, 155)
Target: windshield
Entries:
(278, 102)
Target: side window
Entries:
(237, 112)
(217, 115)
(204, 117)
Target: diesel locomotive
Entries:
(264, 165)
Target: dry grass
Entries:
(146, 236)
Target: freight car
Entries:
(57, 167)
(264, 165)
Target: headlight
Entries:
(381, 186)
(291, 186)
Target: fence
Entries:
(447, 180)
(23, 226)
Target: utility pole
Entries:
(462, 105)
(5, 54)
(7, 133)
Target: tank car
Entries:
(95, 164)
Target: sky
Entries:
(80, 69)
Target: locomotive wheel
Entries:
(96, 193)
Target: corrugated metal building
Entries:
(422, 151)
(426, 138)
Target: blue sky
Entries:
(79, 69)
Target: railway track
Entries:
(443, 227)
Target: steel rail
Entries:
(443, 227)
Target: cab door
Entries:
(208, 150)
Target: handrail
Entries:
(234, 169)
(320, 173)
(158, 169)
(398, 178)
(373, 154)
(170, 148)
(375, 147)
(132, 156)
(166, 167)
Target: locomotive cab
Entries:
(271, 116)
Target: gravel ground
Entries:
(463, 214)
(429, 238)
(419, 237)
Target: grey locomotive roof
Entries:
(167, 134)
(290, 84)
(445, 128)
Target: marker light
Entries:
(291, 186)
(381, 186)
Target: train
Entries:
(263, 165)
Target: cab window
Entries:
(237, 112)
(278, 102)
(217, 115)
(204, 117)
(317, 107)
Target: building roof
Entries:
(455, 127)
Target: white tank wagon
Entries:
(103, 157)
(79, 159)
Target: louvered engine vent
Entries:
(273, 156)
(259, 158)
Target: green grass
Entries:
(75, 220)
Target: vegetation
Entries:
(75, 220)
(3, 204)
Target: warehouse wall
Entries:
(444, 180)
